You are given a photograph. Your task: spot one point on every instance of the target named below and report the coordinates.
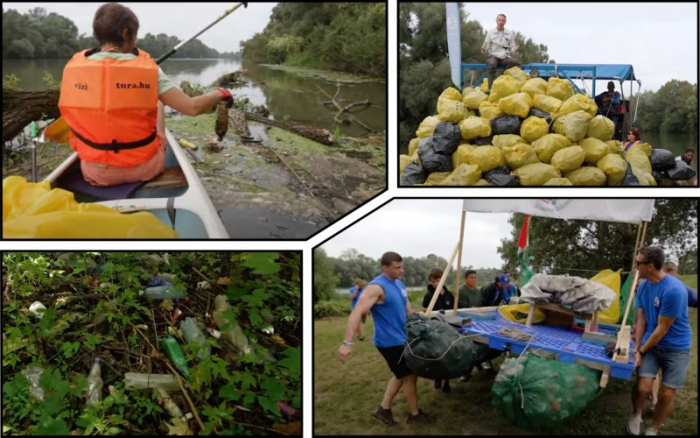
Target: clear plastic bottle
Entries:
(234, 335)
(171, 292)
(168, 403)
(193, 333)
(94, 384)
(167, 382)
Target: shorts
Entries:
(673, 363)
(395, 359)
(103, 175)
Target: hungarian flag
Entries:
(524, 252)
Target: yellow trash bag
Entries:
(548, 145)
(404, 160)
(463, 175)
(601, 127)
(595, 149)
(558, 182)
(587, 176)
(482, 182)
(427, 127)
(562, 89)
(577, 102)
(536, 174)
(645, 178)
(642, 148)
(461, 155)
(447, 95)
(487, 157)
(473, 98)
(639, 160)
(503, 86)
(614, 146)
(568, 159)
(614, 167)
(474, 127)
(489, 110)
(534, 86)
(413, 146)
(484, 85)
(453, 111)
(435, 178)
(533, 128)
(36, 211)
(517, 73)
(518, 155)
(573, 125)
(611, 279)
(518, 313)
(517, 104)
(501, 141)
(547, 104)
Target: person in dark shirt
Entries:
(494, 294)
(444, 301)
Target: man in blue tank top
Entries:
(387, 299)
(663, 338)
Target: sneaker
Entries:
(385, 415)
(650, 431)
(420, 417)
(446, 386)
(634, 425)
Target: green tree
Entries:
(324, 279)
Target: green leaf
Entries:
(293, 360)
(230, 392)
(52, 426)
(269, 405)
(273, 389)
(247, 380)
(68, 348)
(263, 262)
(255, 317)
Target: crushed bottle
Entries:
(94, 394)
(168, 403)
(193, 334)
(33, 374)
(174, 352)
(234, 334)
(167, 382)
(160, 289)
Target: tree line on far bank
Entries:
(348, 37)
(424, 72)
(38, 35)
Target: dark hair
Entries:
(469, 272)
(501, 15)
(635, 132)
(390, 257)
(110, 21)
(434, 273)
(690, 150)
(653, 254)
(611, 83)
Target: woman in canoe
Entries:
(112, 99)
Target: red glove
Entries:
(226, 95)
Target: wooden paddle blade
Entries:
(58, 131)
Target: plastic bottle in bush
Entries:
(193, 333)
(174, 352)
(233, 335)
(94, 384)
(167, 382)
(170, 291)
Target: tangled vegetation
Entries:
(94, 310)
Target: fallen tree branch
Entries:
(20, 108)
(322, 136)
(342, 110)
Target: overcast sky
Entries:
(180, 19)
(418, 227)
(660, 40)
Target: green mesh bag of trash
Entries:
(539, 393)
(435, 350)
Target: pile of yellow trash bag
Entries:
(526, 131)
(36, 211)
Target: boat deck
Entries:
(555, 342)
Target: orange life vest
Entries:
(111, 107)
(629, 144)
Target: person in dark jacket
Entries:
(444, 301)
(494, 294)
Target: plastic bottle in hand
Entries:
(233, 335)
(193, 333)
(94, 384)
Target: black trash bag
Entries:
(446, 138)
(681, 171)
(541, 114)
(505, 125)
(503, 170)
(659, 175)
(481, 141)
(435, 350)
(434, 162)
(661, 159)
(500, 180)
(413, 174)
(629, 179)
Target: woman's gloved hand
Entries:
(226, 96)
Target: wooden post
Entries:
(459, 261)
(442, 280)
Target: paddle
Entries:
(58, 130)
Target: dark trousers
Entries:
(493, 62)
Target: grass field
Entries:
(345, 395)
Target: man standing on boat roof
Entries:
(112, 99)
(499, 42)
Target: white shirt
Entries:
(499, 44)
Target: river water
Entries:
(288, 95)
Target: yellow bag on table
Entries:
(36, 211)
(612, 280)
(518, 313)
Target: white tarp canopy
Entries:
(612, 210)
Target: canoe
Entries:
(176, 197)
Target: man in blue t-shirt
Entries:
(663, 338)
(355, 293)
(387, 299)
